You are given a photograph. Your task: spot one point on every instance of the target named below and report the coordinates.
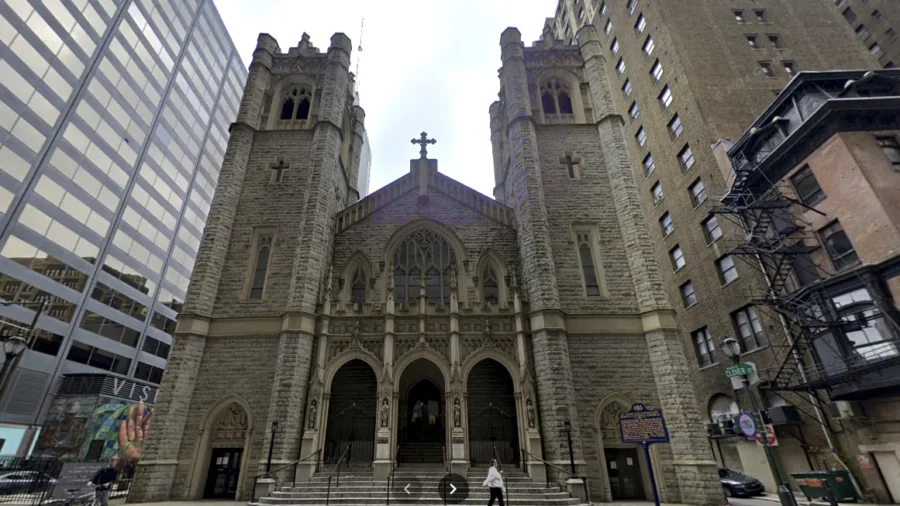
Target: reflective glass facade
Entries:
(114, 120)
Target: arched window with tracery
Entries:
(556, 97)
(296, 104)
(358, 286)
(490, 288)
(424, 259)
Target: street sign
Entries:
(641, 425)
(770, 436)
(739, 370)
(646, 427)
(747, 425)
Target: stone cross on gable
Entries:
(278, 170)
(423, 140)
(571, 163)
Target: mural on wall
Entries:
(120, 427)
(63, 434)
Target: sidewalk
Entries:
(801, 500)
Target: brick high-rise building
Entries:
(688, 76)
(113, 123)
(426, 323)
(876, 24)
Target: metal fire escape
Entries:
(776, 242)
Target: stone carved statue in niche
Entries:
(457, 413)
(529, 409)
(313, 409)
(385, 409)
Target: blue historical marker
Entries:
(645, 427)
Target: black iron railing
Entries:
(547, 467)
(274, 472)
(337, 471)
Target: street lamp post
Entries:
(732, 350)
(14, 347)
(271, 446)
(568, 427)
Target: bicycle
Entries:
(74, 499)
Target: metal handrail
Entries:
(338, 468)
(547, 474)
(295, 463)
(390, 483)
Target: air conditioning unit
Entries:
(726, 427)
(844, 410)
(712, 430)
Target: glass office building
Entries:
(114, 119)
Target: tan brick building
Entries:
(876, 23)
(426, 322)
(818, 185)
(685, 92)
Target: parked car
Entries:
(740, 485)
(24, 482)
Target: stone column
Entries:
(551, 353)
(454, 412)
(385, 438)
(695, 470)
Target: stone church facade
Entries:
(426, 322)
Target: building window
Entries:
(648, 46)
(838, 245)
(665, 223)
(603, 10)
(626, 88)
(749, 328)
(808, 189)
(608, 27)
(877, 15)
(739, 16)
(555, 97)
(620, 68)
(581, 14)
(688, 297)
(849, 15)
(656, 72)
(586, 254)
(876, 51)
(665, 98)
(675, 127)
(490, 289)
(677, 257)
(727, 270)
(752, 41)
(657, 192)
(614, 49)
(260, 266)
(891, 148)
(870, 335)
(789, 68)
(423, 260)
(358, 286)
(632, 5)
(296, 104)
(862, 32)
(711, 229)
(686, 158)
(641, 137)
(640, 25)
(703, 345)
(649, 166)
(633, 111)
(775, 40)
(760, 15)
(766, 68)
(698, 192)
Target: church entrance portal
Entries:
(421, 434)
(350, 429)
(624, 471)
(224, 471)
(493, 430)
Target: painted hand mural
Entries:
(132, 431)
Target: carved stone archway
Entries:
(227, 424)
(608, 440)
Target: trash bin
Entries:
(816, 484)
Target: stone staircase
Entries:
(410, 453)
(357, 487)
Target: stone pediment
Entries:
(430, 182)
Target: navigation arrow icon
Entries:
(453, 487)
(406, 489)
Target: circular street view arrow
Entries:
(407, 489)
(453, 489)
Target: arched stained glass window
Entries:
(423, 252)
(490, 289)
(358, 286)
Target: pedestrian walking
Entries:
(103, 480)
(494, 482)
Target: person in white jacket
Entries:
(494, 481)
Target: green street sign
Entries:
(739, 370)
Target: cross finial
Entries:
(424, 141)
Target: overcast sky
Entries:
(425, 65)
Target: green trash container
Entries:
(813, 485)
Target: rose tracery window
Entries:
(423, 260)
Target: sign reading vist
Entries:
(645, 427)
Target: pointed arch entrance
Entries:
(624, 474)
(491, 405)
(350, 426)
(421, 434)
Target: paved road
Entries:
(756, 501)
